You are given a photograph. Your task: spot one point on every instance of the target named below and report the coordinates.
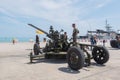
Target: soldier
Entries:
(65, 42)
(51, 32)
(65, 36)
(37, 39)
(37, 46)
(75, 32)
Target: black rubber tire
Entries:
(114, 43)
(80, 55)
(36, 49)
(100, 55)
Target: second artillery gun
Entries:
(77, 55)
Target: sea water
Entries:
(19, 39)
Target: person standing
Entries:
(37, 39)
(36, 46)
(13, 40)
(51, 32)
(92, 40)
(65, 36)
(104, 42)
(95, 40)
(65, 42)
(75, 33)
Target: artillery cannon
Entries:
(56, 43)
(77, 55)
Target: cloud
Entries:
(53, 4)
(103, 3)
(33, 8)
(10, 20)
(4, 11)
(56, 11)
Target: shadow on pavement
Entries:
(68, 70)
(51, 61)
(99, 65)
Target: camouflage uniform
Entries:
(51, 32)
(65, 42)
(37, 46)
(37, 39)
(65, 36)
(75, 32)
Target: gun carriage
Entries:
(77, 55)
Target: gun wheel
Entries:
(100, 55)
(36, 49)
(75, 58)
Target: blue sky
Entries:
(87, 14)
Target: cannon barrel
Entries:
(48, 35)
(38, 29)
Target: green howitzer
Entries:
(77, 56)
